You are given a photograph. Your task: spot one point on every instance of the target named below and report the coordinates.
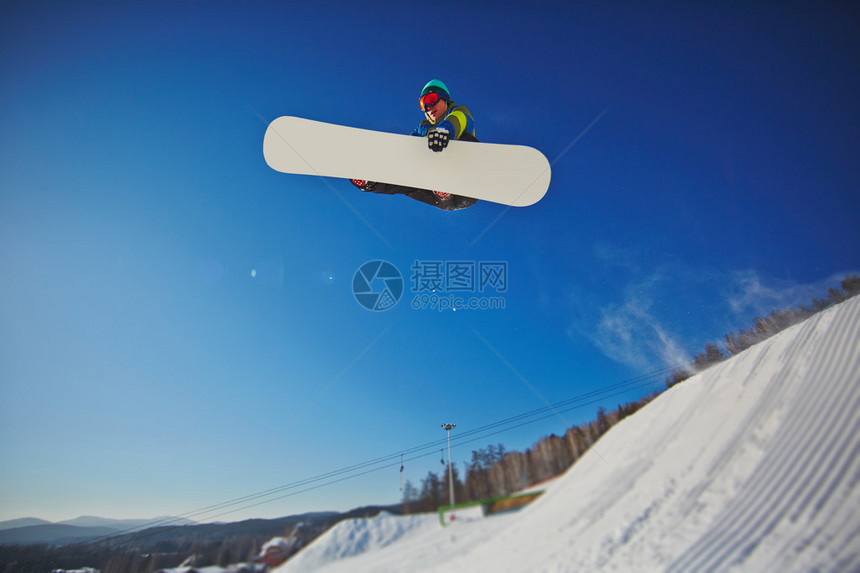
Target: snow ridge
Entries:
(814, 452)
(752, 465)
(356, 536)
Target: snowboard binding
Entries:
(363, 184)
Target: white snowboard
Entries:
(510, 174)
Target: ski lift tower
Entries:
(448, 428)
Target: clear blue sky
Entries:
(177, 324)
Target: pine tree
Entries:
(851, 285)
(459, 489)
(431, 492)
(410, 497)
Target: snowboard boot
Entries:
(450, 202)
(463, 202)
(363, 185)
(444, 200)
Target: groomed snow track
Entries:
(751, 465)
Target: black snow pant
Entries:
(448, 202)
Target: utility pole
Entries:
(448, 428)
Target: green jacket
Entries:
(458, 121)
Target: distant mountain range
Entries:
(30, 530)
(161, 530)
(23, 522)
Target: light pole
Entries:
(448, 428)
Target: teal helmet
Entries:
(437, 86)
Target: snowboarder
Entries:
(445, 120)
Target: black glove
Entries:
(437, 139)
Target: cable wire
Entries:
(405, 455)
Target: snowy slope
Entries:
(356, 536)
(752, 465)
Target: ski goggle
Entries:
(429, 100)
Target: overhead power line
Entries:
(405, 455)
